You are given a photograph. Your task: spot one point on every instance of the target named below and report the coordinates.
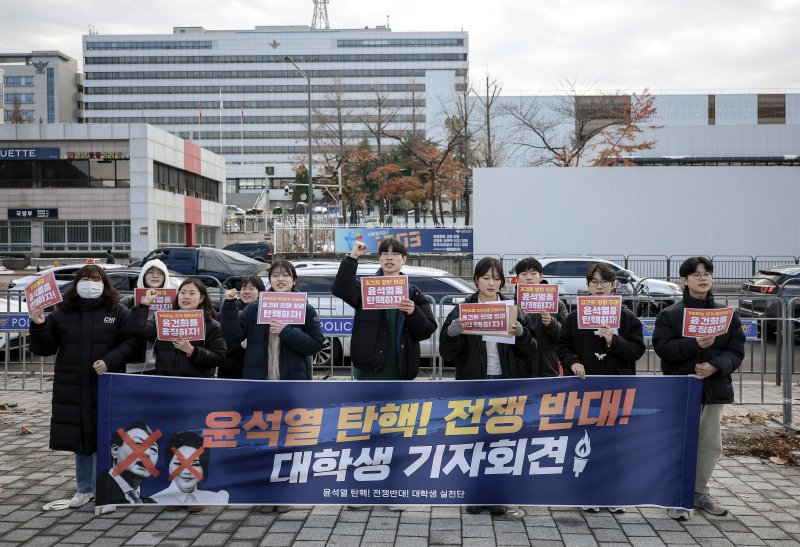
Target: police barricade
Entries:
(14, 328)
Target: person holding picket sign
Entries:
(479, 357)
(275, 350)
(87, 334)
(154, 275)
(178, 356)
(603, 351)
(714, 358)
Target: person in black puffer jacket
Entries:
(248, 292)
(198, 358)
(87, 334)
(713, 358)
(377, 351)
(545, 327)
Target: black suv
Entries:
(260, 250)
(760, 291)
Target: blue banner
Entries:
(336, 326)
(15, 322)
(416, 240)
(749, 327)
(25, 153)
(602, 441)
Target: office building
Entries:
(40, 87)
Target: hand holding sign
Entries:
(406, 305)
(149, 297)
(183, 345)
(36, 315)
(706, 341)
(276, 327)
(358, 249)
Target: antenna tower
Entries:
(320, 19)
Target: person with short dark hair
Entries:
(248, 292)
(120, 486)
(183, 490)
(545, 328)
(110, 257)
(384, 343)
(275, 351)
(478, 359)
(86, 332)
(713, 358)
(603, 351)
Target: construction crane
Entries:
(320, 19)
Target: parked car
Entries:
(234, 211)
(63, 275)
(254, 211)
(783, 282)
(569, 273)
(316, 277)
(205, 261)
(260, 250)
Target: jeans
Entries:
(85, 467)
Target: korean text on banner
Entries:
(286, 307)
(596, 312)
(43, 292)
(180, 325)
(487, 318)
(544, 441)
(533, 298)
(700, 322)
(383, 291)
(164, 299)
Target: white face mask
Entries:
(90, 289)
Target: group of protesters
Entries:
(93, 332)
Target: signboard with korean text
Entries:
(699, 322)
(749, 328)
(535, 298)
(543, 441)
(180, 325)
(487, 318)
(383, 291)
(100, 155)
(24, 153)
(163, 300)
(286, 307)
(416, 240)
(596, 312)
(43, 292)
(32, 213)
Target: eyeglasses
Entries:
(391, 255)
(700, 275)
(599, 283)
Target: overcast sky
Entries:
(529, 45)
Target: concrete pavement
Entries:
(763, 499)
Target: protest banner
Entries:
(383, 291)
(286, 307)
(536, 298)
(487, 318)
(602, 441)
(164, 299)
(180, 325)
(700, 322)
(596, 312)
(43, 292)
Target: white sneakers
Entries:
(80, 499)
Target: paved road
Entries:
(763, 498)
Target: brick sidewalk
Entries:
(763, 499)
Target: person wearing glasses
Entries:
(384, 343)
(712, 358)
(197, 358)
(603, 351)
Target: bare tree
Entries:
(16, 116)
(564, 130)
(333, 129)
(490, 146)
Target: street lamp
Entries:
(310, 184)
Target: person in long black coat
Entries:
(87, 334)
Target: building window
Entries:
(771, 108)
(178, 181)
(593, 113)
(86, 235)
(65, 174)
(18, 80)
(27, 115)
(171, 234)
(206, 236)
(51, 95)
(22, 98)
(712, 110)
(15, 236)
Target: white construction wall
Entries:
(752, 211)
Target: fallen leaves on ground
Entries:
(25, 429)
(777, 445)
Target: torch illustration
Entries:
(582, 451)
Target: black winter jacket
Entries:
(371, 327)
(585, 347)
(208, 354)
(298, 342)
(233, 365)
(468, 351)
(679, 355)
(80, 337)
(544, 361)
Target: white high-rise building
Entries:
(233, 92)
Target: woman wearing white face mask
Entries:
(86, 331)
